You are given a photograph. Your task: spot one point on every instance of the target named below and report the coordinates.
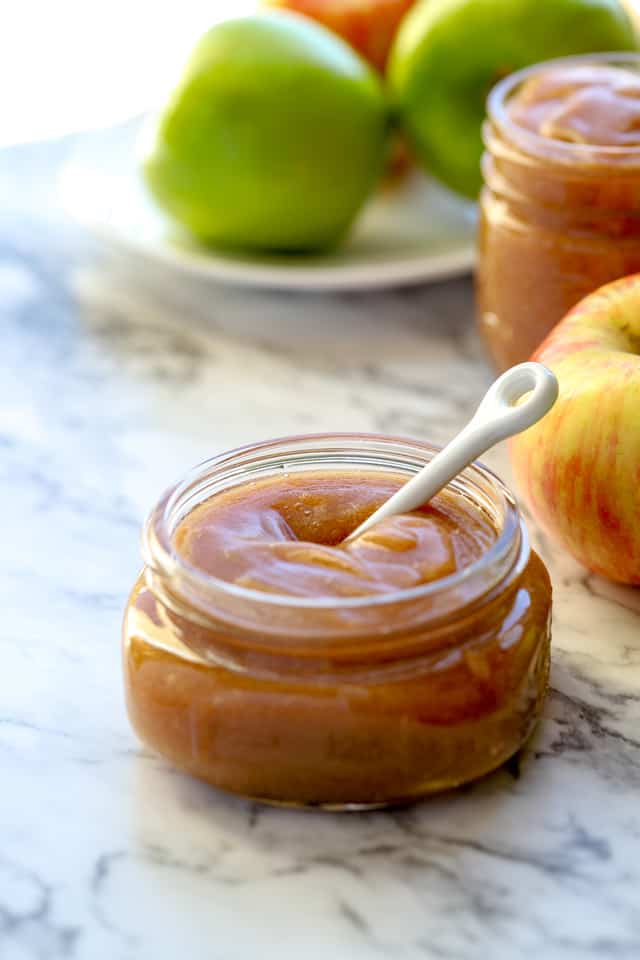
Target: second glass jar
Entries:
(557, 220)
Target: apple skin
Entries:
(448, 54)
(368, 25)
(273, 138)
(578, 469)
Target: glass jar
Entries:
(345, 703)
(557, 220)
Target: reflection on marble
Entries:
(113, 381)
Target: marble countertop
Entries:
(114, 380)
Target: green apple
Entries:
(578, 469)
(449, 53)
(273, 138)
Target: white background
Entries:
(72, 64)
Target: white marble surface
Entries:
(111, 385)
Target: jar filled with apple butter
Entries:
(560, 208)
(269, 658)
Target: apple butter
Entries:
(560, 208)
(267, 657)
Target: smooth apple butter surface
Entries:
(597, 105)
(560, 210)
(360, 690)
(284, 536)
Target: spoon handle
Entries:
(499, 416)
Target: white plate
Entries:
(410, 233)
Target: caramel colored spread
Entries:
(589, 104)
(560, 212)
(284, 535)
(381, 709)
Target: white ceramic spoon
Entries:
(499, 416)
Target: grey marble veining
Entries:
(113, 380)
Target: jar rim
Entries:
(545, 147)
(510, 545)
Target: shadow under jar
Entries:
(345, 702)
(560, 208)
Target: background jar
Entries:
(557, 220)
(339, 702)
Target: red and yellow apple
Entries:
(368, 25)
(578, 469)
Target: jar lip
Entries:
(160, 555)
(535, 143)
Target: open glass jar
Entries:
(557, 219)
(345, 703)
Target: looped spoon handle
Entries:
(500, 415)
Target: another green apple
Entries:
(449, 53)
(578, 469)
(273, 139)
